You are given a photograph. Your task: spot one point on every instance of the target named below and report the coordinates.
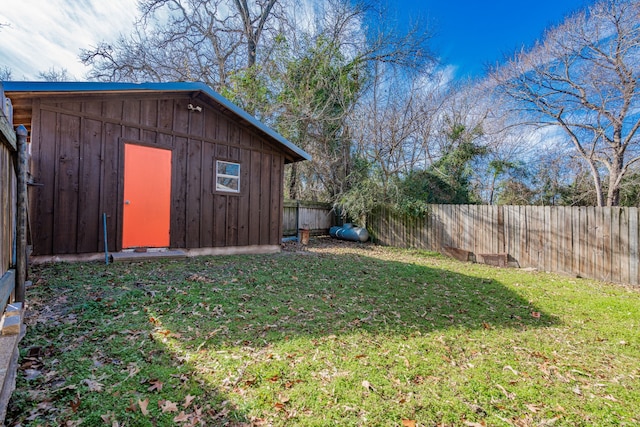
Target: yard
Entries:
(337, 334)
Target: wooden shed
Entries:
(172, 165)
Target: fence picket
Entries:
(602, 243)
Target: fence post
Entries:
(21, 222)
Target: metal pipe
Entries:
(106, 245)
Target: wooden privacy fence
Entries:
(13, 240)
(317, 217)
(599, 243)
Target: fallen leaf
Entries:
(408, 423)
(143, 406)
(155, 385)
(132, 407)
(474, 424)
(533, 408)
(535, 314)
(93, 385)
(279, 406)
(508, 395)
(509, 368)
(108, 417)
(486, 325)
(181, 417)
(75, 404)
(187, 401)
(168, 406)
(366, 384)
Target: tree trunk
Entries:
(615, 178)
(293, 182)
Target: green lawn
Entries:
(341, 334)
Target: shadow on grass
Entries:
(197, 306)
(257, 301)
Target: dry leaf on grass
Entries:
(75, 404)
(155, 385)
(180, 418)
(93, 385)
(188, 400)
(143, 406)
(408, 423)
(168, 406)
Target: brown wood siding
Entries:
(7, 209)
(78, 161)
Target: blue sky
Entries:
(468, 33)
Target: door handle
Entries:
(127, 202)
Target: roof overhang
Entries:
(23, 88)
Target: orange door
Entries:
(147, 197)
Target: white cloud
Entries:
(42, 34)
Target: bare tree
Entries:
(55, 75)
(327, 88)
(254, 24)
(5, 73)
(584, 79)
(393, 123)
(185, 40)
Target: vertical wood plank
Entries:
(90, 187)
(590, 239)
(624, 246)
(44, 158)
(178, 194)
(548, 247)
(193, 194)
(265, 199)
(615, 252)
(181, 115)
(220, 204)
(254, 199)
(232, 221)
(606, 219)
(207, 190)
(243, 203)
(66, 207)
(111, 188)
(275, 215)
(149, 118)
(633, 246)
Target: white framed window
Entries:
(227, 176)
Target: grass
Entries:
(340, 334)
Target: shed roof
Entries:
(41, 88)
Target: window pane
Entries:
(227, 176)
(227, 184)
(225, 168)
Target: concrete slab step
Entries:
(149, 255)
